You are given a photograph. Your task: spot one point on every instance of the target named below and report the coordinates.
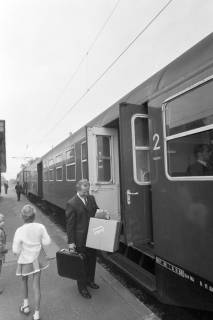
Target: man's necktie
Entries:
(86, 201)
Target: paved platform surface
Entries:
(60, 298)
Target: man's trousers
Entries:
(90, 255)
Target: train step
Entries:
(134, 271)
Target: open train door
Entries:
(103, 164)
(135, 174)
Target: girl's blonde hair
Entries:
(28, 213)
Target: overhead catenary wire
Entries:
(84, 57)
(108, 68)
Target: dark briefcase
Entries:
(71, 264)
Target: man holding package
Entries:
(79, 210)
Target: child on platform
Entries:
(28, 243)
(3, 249)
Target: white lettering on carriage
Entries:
(156, 139)
(180, 272)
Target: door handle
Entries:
(133, 193)
(129, 194)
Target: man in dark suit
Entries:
(18, 190)
(78, 212)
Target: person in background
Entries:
(5, 187)
(79, 209)
(18, 190)
(28, 243)
(201, 167)
(3, 249)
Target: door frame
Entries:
(126, 180)
(114, 183)
(114, 166)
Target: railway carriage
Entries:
(137, 156)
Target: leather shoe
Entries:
(93, 285)
(85, 293)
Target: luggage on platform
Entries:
(103, 234)
(71, 264)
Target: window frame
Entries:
(135, 148)
(59, 167)
(51, 170)
(111, 181)
(183, 134)
(71, 164)
(83, 160)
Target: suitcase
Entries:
(103, 234)
(71, 264)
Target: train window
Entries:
(59, 167)
(51, 162)
(141, 132)
(84, 165)
(104, 159)
(59, 173)
(71, 165)
(59, 158)
(141, 149)
(189, 134)
(51, 170)
(190, 110)
(51, 175)
(70, 156)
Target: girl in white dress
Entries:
(28, 243)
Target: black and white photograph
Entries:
(106, 159)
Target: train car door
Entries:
(104, 168)
(135, 174)
(40, 179)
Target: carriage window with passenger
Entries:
(189, 133)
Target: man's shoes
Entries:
(93, 285)
(85, 293)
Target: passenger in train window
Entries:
(78, 212)
(201, 167)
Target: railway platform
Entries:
(60, 297)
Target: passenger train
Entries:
(137, 156)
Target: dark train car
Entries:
(62, 167)
(141, 157)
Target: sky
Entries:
(43, 41)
